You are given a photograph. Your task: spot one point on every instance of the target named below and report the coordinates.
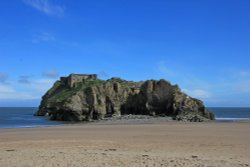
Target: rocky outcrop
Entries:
(96, 99)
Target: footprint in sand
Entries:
(11, 150)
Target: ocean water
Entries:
(22, 117)
(231, 113)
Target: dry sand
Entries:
(161, 144)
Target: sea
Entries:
(231, 114)
(23, 117)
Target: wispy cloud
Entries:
(24, 79)
(5, 89)
(243, 86)
(28, 89)
(244, 73)
(8, 93)
(50, 74)
(43, 37)
(24, 89)
(3, 77)
(41, 86)
(242, 81)
(240, 74)
(198, 93)
(46, 7)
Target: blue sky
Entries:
(203, 46)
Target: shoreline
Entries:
(130, 119)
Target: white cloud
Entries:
(24, 79)
(17, 91)
(243, 86)
(50, 74)
(5, 89)
(240, 81)
(8, 93)
(244, 73)
(198, 93)
(43, 37)
(3, 77)
(241, 74)
(42, 85)
(18, 96)
(46, 7)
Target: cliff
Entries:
(85, 97)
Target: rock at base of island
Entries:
(81, 97)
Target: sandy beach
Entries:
(160, 144)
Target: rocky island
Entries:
(81, 97)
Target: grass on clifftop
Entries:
(65, 92)
(59, 92)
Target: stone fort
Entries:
(73, 79)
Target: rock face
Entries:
(85, 97)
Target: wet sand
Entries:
(158, 144)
